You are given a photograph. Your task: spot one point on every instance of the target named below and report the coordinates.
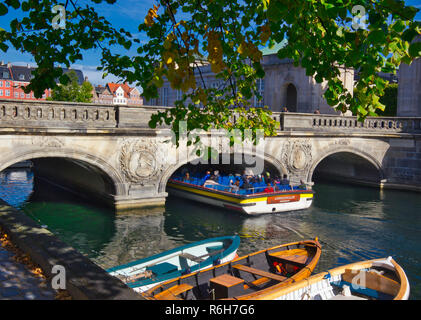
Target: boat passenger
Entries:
(285, 180)
(277, 183)
(207, 176)
(269, 188)
(246, 184)
(215, 176)
(302, 185)
(186, 177)
(234, 186)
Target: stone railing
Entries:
(336, 123)
(14, 113)
(33, 114)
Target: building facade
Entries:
(117, 94)
(13, 78)
(284, 85)
(409, 90)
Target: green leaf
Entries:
(3, 9)
(415, 49)
(276, 10)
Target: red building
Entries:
(13, 78)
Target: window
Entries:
(153, 102)
(1, 92)
(164, 97)
(216, 84)
(1, 83)
(22, 95)
(7, 84)
(7, 93)
(260, 85)
(5, 74)
(179, 95)
(16, 94)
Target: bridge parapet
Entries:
(15, 113)
(53, 114)
(337, 123)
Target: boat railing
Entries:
(241, 191)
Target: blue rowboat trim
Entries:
(176, 262)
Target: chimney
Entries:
(9, 65)
(28, 66)
(2, 62)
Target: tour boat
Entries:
(250, 202)
(145, 273)
(380, 279)
(245, 278)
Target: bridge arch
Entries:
(360, 161)
(95, 162)
(272, 161)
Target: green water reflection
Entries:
(352, 223)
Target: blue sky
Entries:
(123, 14)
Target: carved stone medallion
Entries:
(138, 161)
(297, 156)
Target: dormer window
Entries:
(5, 74)
(21, 77)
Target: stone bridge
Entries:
(110, 153)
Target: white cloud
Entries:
(94, 76)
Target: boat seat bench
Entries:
(173, 292)
(192, 257)
(211, 252)
(162, 268)
(299, 260)
(259, 272)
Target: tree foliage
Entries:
(389, 100)
(72, 91)
(322, 36)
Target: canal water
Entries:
(352, 223)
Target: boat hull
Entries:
(173, 263)
(145, 288)
(361, 283)
(250, 276)
(250, 205)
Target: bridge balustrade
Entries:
(315, 122)
(34, 114)
(63, 114)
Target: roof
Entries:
(21, 73)
(79, 74)
(275, 48)
(5, 73)
(114, 86)
(24, 73)
(102, 90)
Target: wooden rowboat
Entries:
(244, 278)
(146, 273)
(380, 279)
